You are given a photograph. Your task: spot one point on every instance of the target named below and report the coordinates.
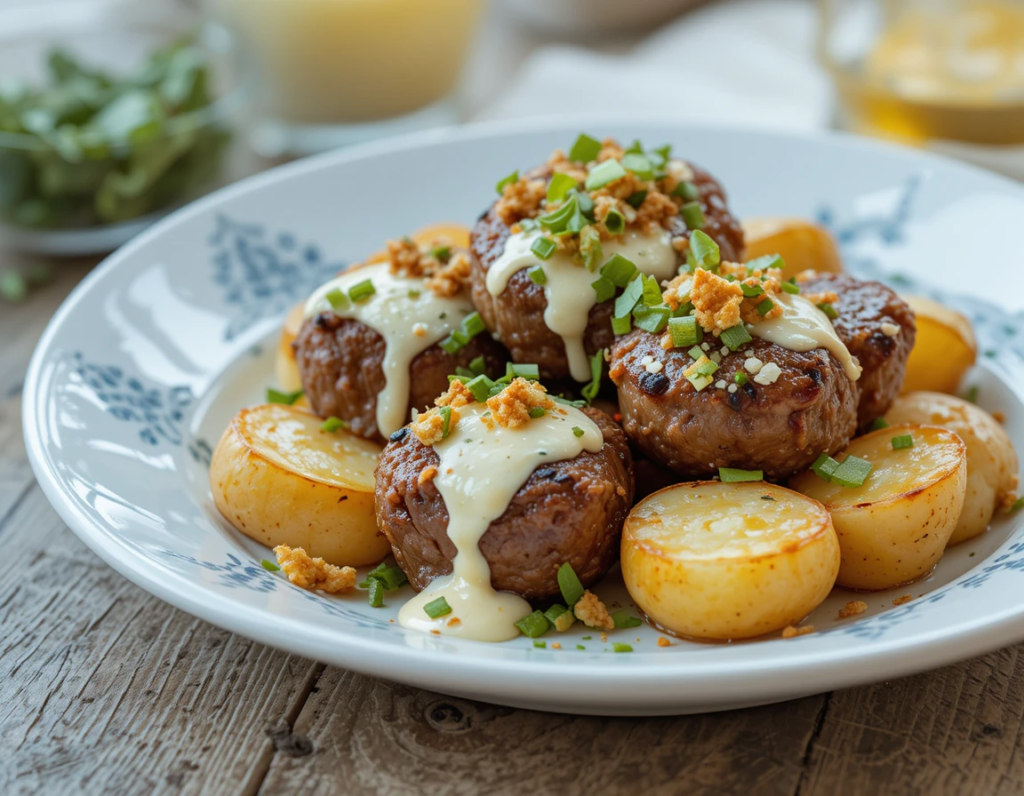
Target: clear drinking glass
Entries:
(927, 71)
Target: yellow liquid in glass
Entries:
(951, 71)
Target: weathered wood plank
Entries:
(358, 735)
(953, 731)
(105, 689)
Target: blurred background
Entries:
(115, 112)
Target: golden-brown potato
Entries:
(893, 528)
(279, 478)
(803, 244)
(944, 348)
(727, 561)
(991, 459)
(285, 369)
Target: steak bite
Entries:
(646, 215)
(878, 328)
(566, 511)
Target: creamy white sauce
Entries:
(394, 314)
(803, 327)
(480, 471)
(568, 290)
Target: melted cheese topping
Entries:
(480, 471)
(568, 290)
(408, 324)
(803, 327)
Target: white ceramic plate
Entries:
(148, 359)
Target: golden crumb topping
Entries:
(793, 632)
(511, 407)
(906, 598)
(427, 474)
(520, 199)
(445, 269)
(458, 394)
(314, 573)
(435, 425)
(821, 297)
(853, 608)
(664, 642)
(716, 301)
(593, 613)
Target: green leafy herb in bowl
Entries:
(93, 148)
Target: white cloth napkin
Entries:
(741, 62)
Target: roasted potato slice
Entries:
(803, 244)
(279, 478)
(944, 348)
(991, 460)
(893, 528)
(727, 561)
(285, 369)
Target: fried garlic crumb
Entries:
(890, 329)
(444, 277)
(511, 407)
(793, 632)
(556, 645)
(664, 642)
(592, 612)
(429, 427)
(458, 394)
(419, 329)
(716, 301)
(852, 608)
(451, 277)
(822, 297)
(906, 598)
(520, 199)
(314, 573)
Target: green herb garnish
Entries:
(437, 608)
(731, 475)
(286, 398)
(902, 442)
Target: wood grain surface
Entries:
(106, 690)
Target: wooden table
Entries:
(105, 689)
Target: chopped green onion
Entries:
(703, 374)
(1018, 504)
(705, 250)
(269, 566)
(624, 618)
(585, 203)
(577, 431)
(707, 367)
(580, 647)
(509, 180)
(604, 174)
(731, 475)
(765, 307)
(636, 199)
(693, 215)
(471, 326)
(442, 253)
(764, 262)
(537, 411)
(543, 248)
(560, 616)
(902, 442)
(337, 299)
(604, 289)
(750, 291)
(523, 371)
(585, 149)
(481, 388)
(735, 337)
(829, 310)
(376, 594)
(555, 611)
(741, 378)
(639, 164)
(651, 319)
(651, 295)
(333, 423)
(361, 291)
(618, 270)
(569, 584)
(615, 222)
(972, 394)
(851, 472)
(437, 608)
(286, 398)
(618, 647)
(446, 416)
(590, 248)
(685, 331)
(533, 625)
(414, 294)
(621, 326)
(824, 466)
(695, 352)
(629, 298)
(589, 392)
(687, 191)
(879, 423)
(791, 287)
(477, 365)
(392, 577)
(559, 186)
(558, 220)
(541, 645)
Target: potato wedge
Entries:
(991, 460)
(280, 479)
(893, 529)
(943, 350)
(803, 244)
(728, 561)
(285, 369)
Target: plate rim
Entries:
(815, 669)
